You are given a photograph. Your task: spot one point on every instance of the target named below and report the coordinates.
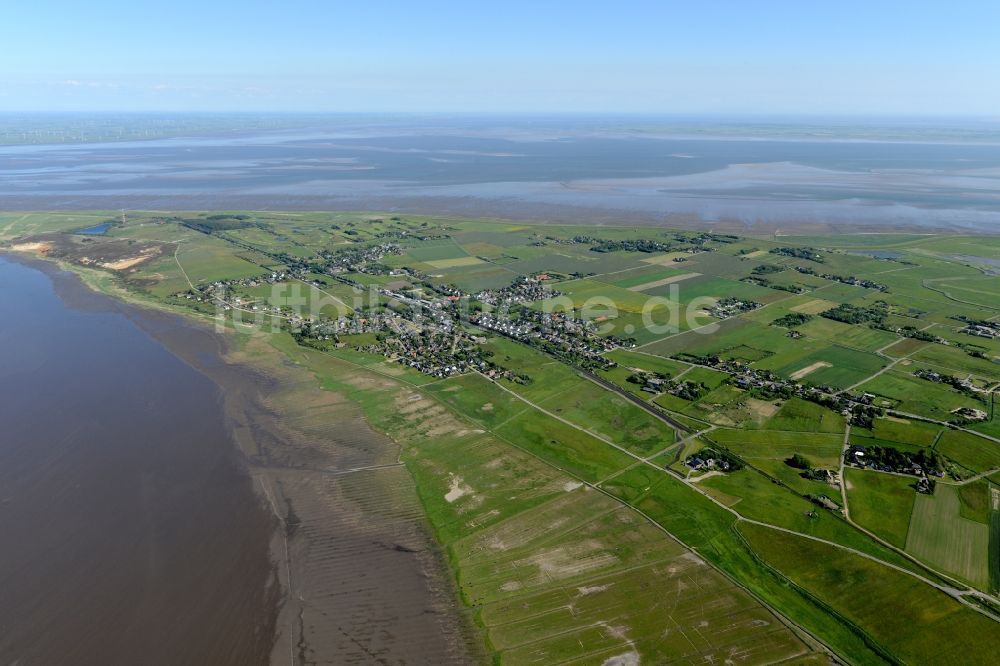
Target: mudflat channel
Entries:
(169, 495)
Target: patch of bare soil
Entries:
(707, 475)
(117, 254)
(815, 306)
(457, 489)
(762, 409)
(809, 369)
(665, 281)
(35, 247)
(566, 561)
(130, 262)
(626, 659)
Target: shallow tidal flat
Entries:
(522, 170)
(167, 507)
(365, 580)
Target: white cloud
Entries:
(75, 83)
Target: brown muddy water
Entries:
(161, 504)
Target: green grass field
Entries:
(909, 394)
(643, 275)
(841, 366)
(856, 337)
(804, 416)
(889, 606)
(823, 449)
(940, 535)
(429, 251)
(906, 430)
(881, 503)
(971, 451)
(976, 501)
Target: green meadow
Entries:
(575, 529)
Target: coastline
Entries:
(349, 530)
(135, 535)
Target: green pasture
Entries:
(939, 535)
(823, 449)
(896, 610)
(881, 502)
(804, 416)
(975, 453)
(903, 391)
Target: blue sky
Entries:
(708, 56)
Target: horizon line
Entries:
(689, 115)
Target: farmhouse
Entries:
(971, 413)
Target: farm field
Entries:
(609, 492)
(881, 503)
(909, 394)
(839, 579)
(802, 416)
(822, 448)
(974, 453)
(941, 535)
